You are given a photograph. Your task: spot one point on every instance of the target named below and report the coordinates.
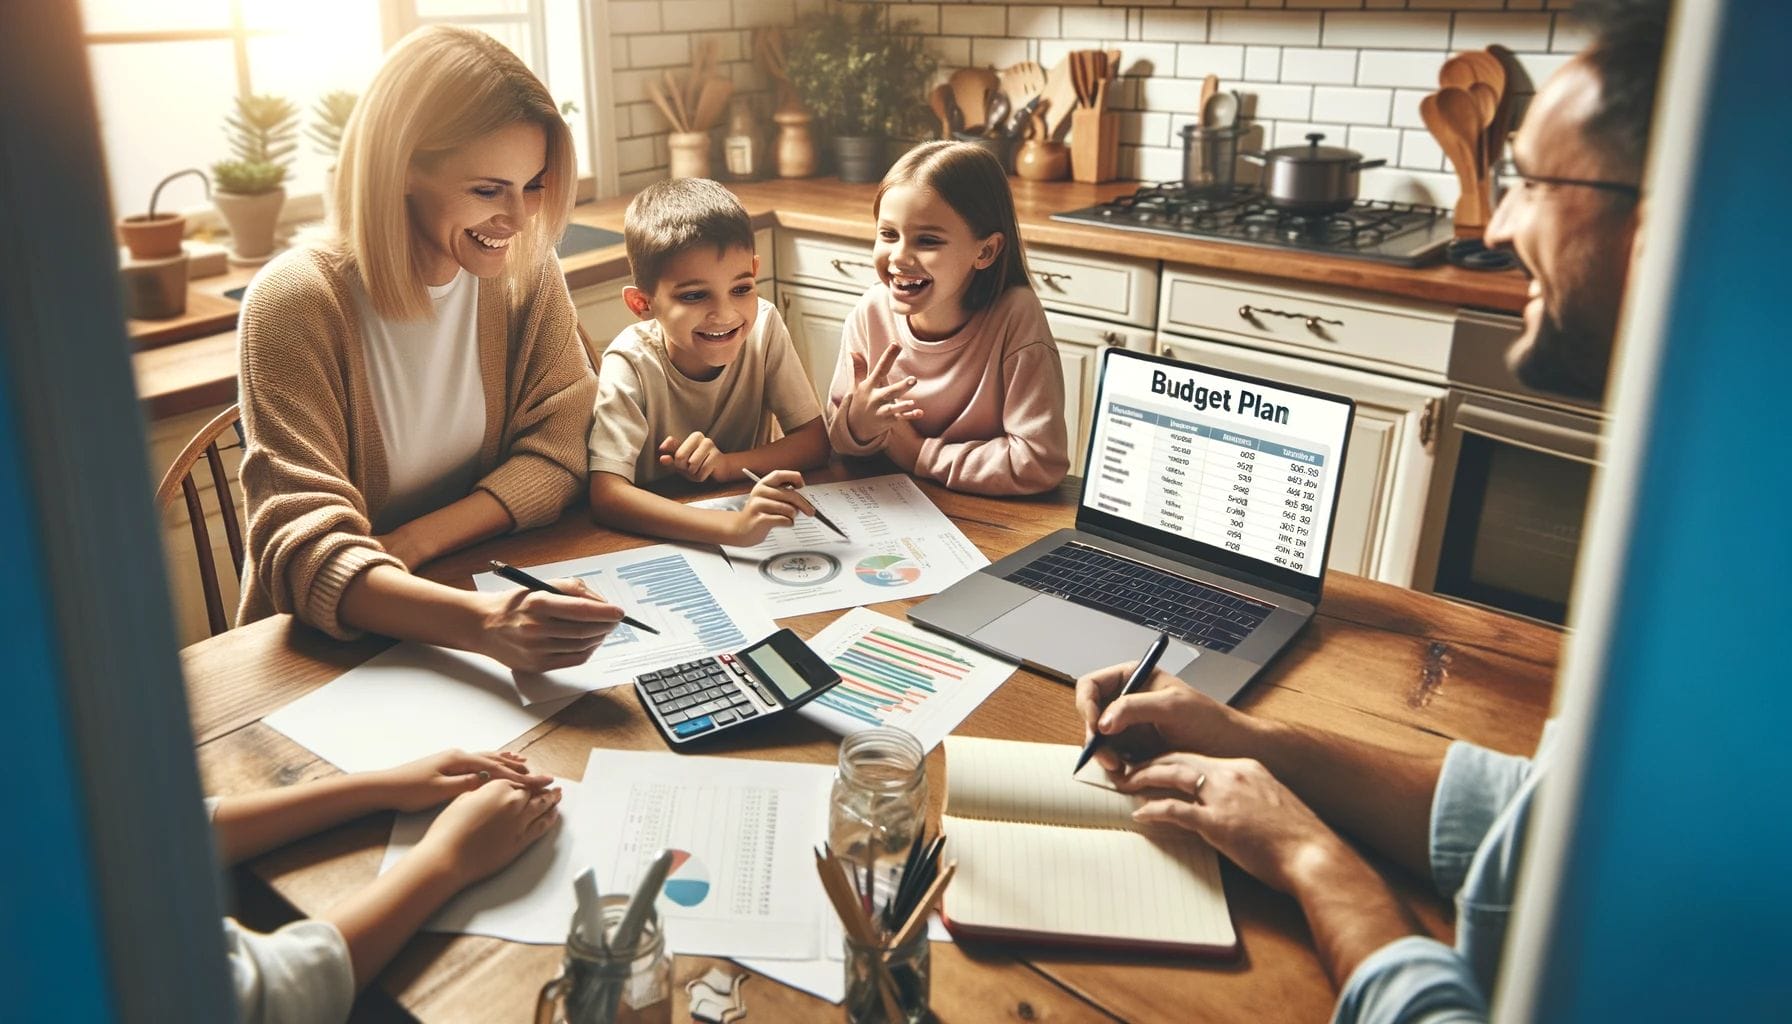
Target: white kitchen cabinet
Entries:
(816, 316)
(1080, 342)
(1387, 468)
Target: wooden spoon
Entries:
(971, 90)
(1458, 72)
(1487, 104)
(1209, 86)
(1502, 118)
(1454, 120)
(658, 94)
(675, 89)
(712, 100)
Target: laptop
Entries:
(1207, 504)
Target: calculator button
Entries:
(694, 726)
(657, 686)
(674, 717)
(744, 710)
(724, 717)
(719, 704)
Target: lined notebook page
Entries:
(1039, 852)
(1013, 781)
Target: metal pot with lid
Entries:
(1311, 179)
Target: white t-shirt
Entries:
(429, 399)
(642, 399)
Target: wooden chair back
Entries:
(593, 354)
(179, 480)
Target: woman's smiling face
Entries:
(467, 205)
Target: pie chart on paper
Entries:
(687, 884)
(888, 571)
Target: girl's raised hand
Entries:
(438, 778)
(874, 405)
(768, 505)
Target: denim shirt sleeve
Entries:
(1475, 786)
(1413, 980)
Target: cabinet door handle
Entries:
(784, 306)
(841, 265)
(1050, 279)
(1314, 323)
(1112, 339)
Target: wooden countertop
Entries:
(1381, 663)
(171, 383)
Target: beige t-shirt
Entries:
(642, 398)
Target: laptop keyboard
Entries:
(1199, 614)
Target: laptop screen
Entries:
(1233, 468)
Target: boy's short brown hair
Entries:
(668, 217)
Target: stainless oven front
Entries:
(1509, 491)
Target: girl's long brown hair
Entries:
(971, 181)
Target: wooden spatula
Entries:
(1454, 120)
(712, 100)
(971, 92)
(1059, 99)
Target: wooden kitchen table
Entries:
(1379, 662)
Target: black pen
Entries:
(1139, 675)
(523, 579)
(813, 508)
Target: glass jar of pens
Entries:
(882, 875)
(617, 970)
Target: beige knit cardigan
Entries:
(314, 469)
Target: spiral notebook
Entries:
(1046, 859)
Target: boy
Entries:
(692, 389)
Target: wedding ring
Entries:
(485, 776)
(1200, 780)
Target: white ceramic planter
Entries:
(252, 220)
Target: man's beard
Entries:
(1569, 356)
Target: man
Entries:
(1268, 795)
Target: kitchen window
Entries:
(165, 74)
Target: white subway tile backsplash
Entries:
(1513, 31)
(1033, 22)
(1093, 22)
(1195, 60)
(1263, 63)
(1352, 106)
(1406, 108)
(628, 17)
(695, 15)
(1142, 58)
(1375, 143)
(924, 17)
(1318, 67)
(1387, 31)
(1175, 26)
(1267, 102)
(1352, 69)
(1414, 69)
(972, 20)
(1276, 28)
(999, 53)
(1419, 151)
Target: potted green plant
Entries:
(250, 190)
(329, 116)
(149, 236)
(864, 79)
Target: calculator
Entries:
(700, 699)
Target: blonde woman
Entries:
(413, 382)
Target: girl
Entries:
(414, 383)
(310, 969)
(947, 365)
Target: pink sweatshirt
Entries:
(992, 395)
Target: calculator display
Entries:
(771, 665)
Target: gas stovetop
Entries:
(1401, 233)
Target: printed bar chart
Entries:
(892, 673)
(670, 583)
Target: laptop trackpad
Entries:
(1075, 641)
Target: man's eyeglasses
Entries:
(1509, 169)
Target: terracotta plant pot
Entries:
(152, 237)
(252, 220)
